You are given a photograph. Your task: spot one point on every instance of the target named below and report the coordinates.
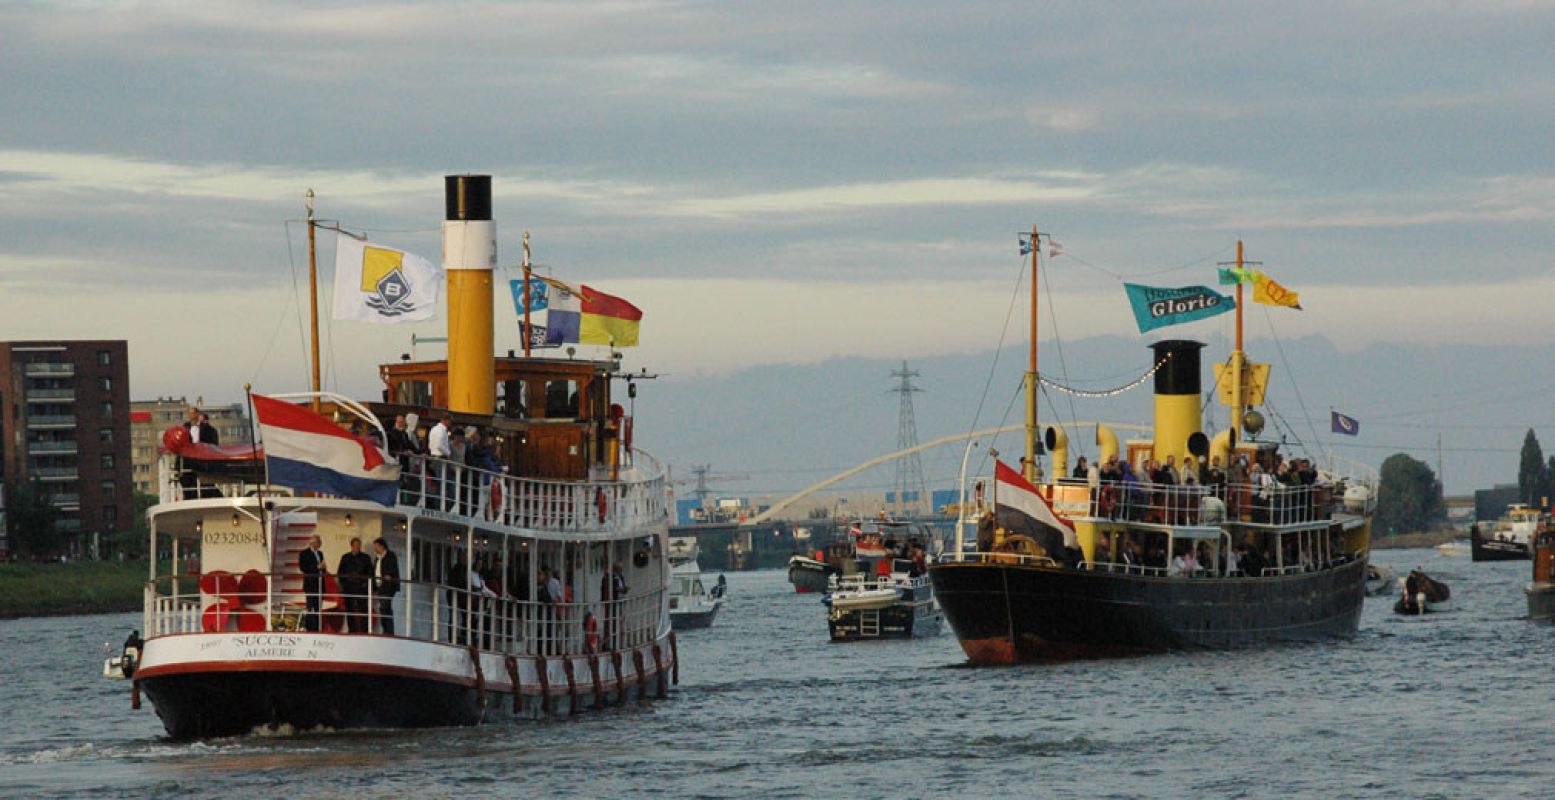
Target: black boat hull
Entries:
(1012, 613)
(809, 578)
(206, 704)
(1481, 549)
(900, 621)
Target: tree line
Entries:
(1409, 497)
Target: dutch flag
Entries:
(309, 453)
(1022, 509)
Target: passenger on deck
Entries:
(1081, 469)
(883, 566)
(354, 571)
(920, 564)
(311, 563)
(386, 584)
(1184, 564)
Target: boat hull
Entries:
(202, 705)
(1541, 600)
(693, 620)
(1011, 613)
(1493, 550)
(810, 576)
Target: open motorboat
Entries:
(1422, 594)
(890, 597)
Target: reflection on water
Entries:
(1443, 705)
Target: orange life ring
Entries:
(599, 502)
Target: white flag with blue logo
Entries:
(380, 284)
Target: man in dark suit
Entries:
(311, 562)
(386, 583)
(355, 570)
(200, 428)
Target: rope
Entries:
(1058, 341)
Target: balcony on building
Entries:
(51, 422)
(68, 501)
(50, 370)
(54, 474)
(51, 448)
(51, 395)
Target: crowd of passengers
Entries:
(476, 609)
(469, 446)
(1244, 559)
(1169, 493)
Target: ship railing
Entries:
(1198, 504)
(495, 497)
(1122, 568)
(419, 610)
(996, 558)
(1151, 503)
(491, 496)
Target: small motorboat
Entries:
(858, 598)
(1422, 595)
(1379, 580)
(1455, 548)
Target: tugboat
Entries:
(1422, 594)
(1078, 568)
(691, 604)
(1541, 592)
(1507, 539)
(890, 597)
(341, 583)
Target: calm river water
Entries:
(1451, 705)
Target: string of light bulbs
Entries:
(1135, 384)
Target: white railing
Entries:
(422, 611)
(581, 507)
(996, 558)
(569, 506)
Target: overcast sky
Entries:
(773, 182)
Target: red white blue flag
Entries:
(309, 453)
(1020, 508)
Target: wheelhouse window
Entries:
(561, 399)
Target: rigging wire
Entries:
(1116, 275)
(993, 368)
(1058, 342)
(1295, 384)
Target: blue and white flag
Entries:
(1156, 307)
(1341, 424)
(555, 311)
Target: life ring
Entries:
(599, 503)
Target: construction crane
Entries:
(701, 474)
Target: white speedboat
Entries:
(1456, 548)
(692, 603)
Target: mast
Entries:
(1030, 468)
(527, 335)
(313, 297)
(1238, 358)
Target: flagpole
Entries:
(526, 294)
(259, 499)
(1238, 360)
(313, 296)
(1030, 467)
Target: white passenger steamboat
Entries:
(500, 597)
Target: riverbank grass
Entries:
(78, 587)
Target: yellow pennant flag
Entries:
(1270, 293)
